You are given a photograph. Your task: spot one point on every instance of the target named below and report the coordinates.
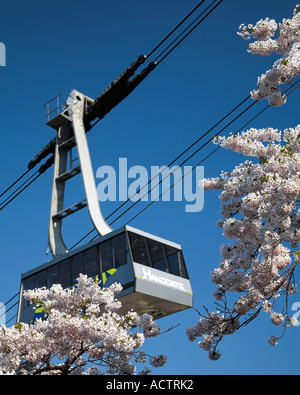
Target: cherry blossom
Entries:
(286, 43)
(261, 220)
(81, 334)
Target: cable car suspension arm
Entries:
(115, 93)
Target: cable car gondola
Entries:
(150, 269)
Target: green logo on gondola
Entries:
(107, 274)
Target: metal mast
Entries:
(72, 121)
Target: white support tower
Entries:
(69, 124)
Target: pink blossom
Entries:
(77, 331)
(262, 223)
(287, 44)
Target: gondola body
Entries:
(150, 269)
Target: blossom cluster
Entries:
(286, 43)
(261, 220)
(82, 328)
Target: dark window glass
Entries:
(91, 262)
(106, 255)
(29, 283)
(183, 272)
(119, 246)
(77, 266)
(176, 262)
(65, 273)
(139, 249)
(173, 260)
(52, 274)
(41, 279)
(157, 255)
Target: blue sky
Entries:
(55, 46)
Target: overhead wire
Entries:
(12, 194)
(23, 189)
(167, 166)
(151, 53)
(290, 89)
(160, 182)
(12, 298)
(11, 319)
(189, 32)
(9, 309)
(170, 173)
(176, 28)
(183, 162)
(167, 54)
(221, 120)
(181, 154)
(15, 182)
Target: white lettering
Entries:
(295, 307)
(2, 314)
(2, 54)
(166, 173)
(160, 184)
(106, 189)
(198, 196)
(123, 174)
(123, 385)
(135, 191)
(162, 280)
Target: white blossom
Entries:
(277, 318)
(77, 331)
(262, 224)
(286, 43)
